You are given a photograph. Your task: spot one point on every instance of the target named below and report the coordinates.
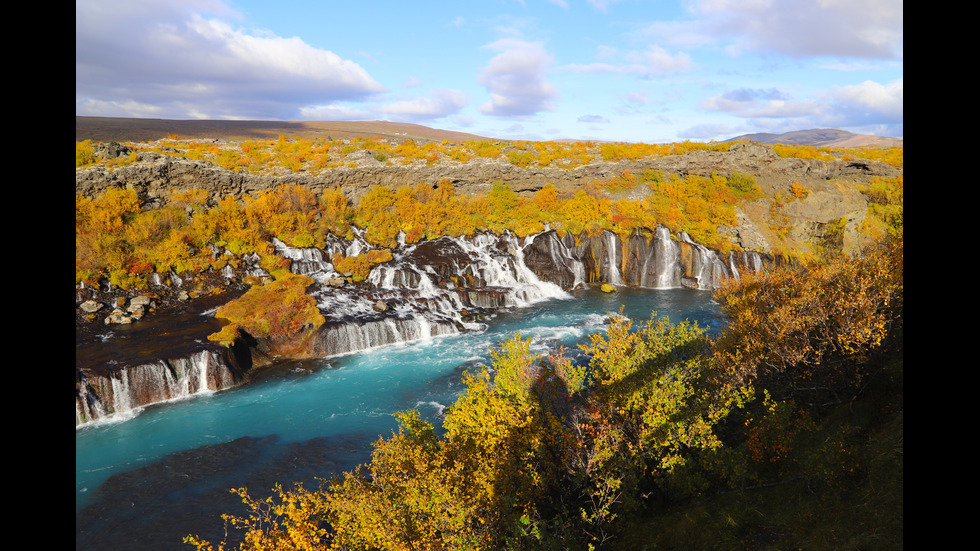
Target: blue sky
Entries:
(625, 70)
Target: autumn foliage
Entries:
(533, 456)
(119, 242)
(279, 308)
(540, 452)
(813, 328)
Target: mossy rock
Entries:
(607, 288)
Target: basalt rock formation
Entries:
(431, 288)
(438, 287)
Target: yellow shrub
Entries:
(84, 153)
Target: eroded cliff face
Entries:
(439, 287)
(445, 285)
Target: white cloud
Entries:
(169, 55)
(655, 61)
(658, 61)
(593, 119)
(745, 102)
(516, 80)
(805, 28)
(864, 105)
(884, 100)
(602, 5)
(334, 113)
(638, 98)
(98, 108)
(705, 131)
(441, 103)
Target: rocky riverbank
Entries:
(442, 286)
(139, 347)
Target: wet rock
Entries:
(118, 317)
(90, 306)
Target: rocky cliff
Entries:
(833, 196)
(438, 287)
(430, 288)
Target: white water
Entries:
(666, 253)
(615, 277)
(355, 393)
(410, 357)
(404, 303)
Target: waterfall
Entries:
(560, 255)
(612, 239)
(750, 260)
(345, 338)
(668, 259)
(124, 392)
(421, 301)
(428, 289)
(704, 269)
(308, 261)
(88, 406)
(507, 270)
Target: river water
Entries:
(147, 481)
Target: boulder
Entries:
(142, 301)
(118, 317)
(90, 306)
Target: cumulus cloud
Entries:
(334, 113)
(706, 131)
(441, 103)
(181, 58)
(886, 101)
(804, 28)
(864, 105)
(745, 102)
(515, 78)
(655, 61)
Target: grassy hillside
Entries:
(107, 129)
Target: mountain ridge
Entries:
(121, 129)
(821, 137)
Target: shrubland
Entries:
(118, 242)
(784, 431)
(304, 155)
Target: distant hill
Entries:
(822, 137)
(108, 129)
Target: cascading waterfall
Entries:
(611, 239)
(88, 405)
(659, 262)
(749, 260)
(507, 270)
(560, 258)
(705, 268)
(667, 259)
(127, 390)
(429, 289)
(414, 306)
(308, 261)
